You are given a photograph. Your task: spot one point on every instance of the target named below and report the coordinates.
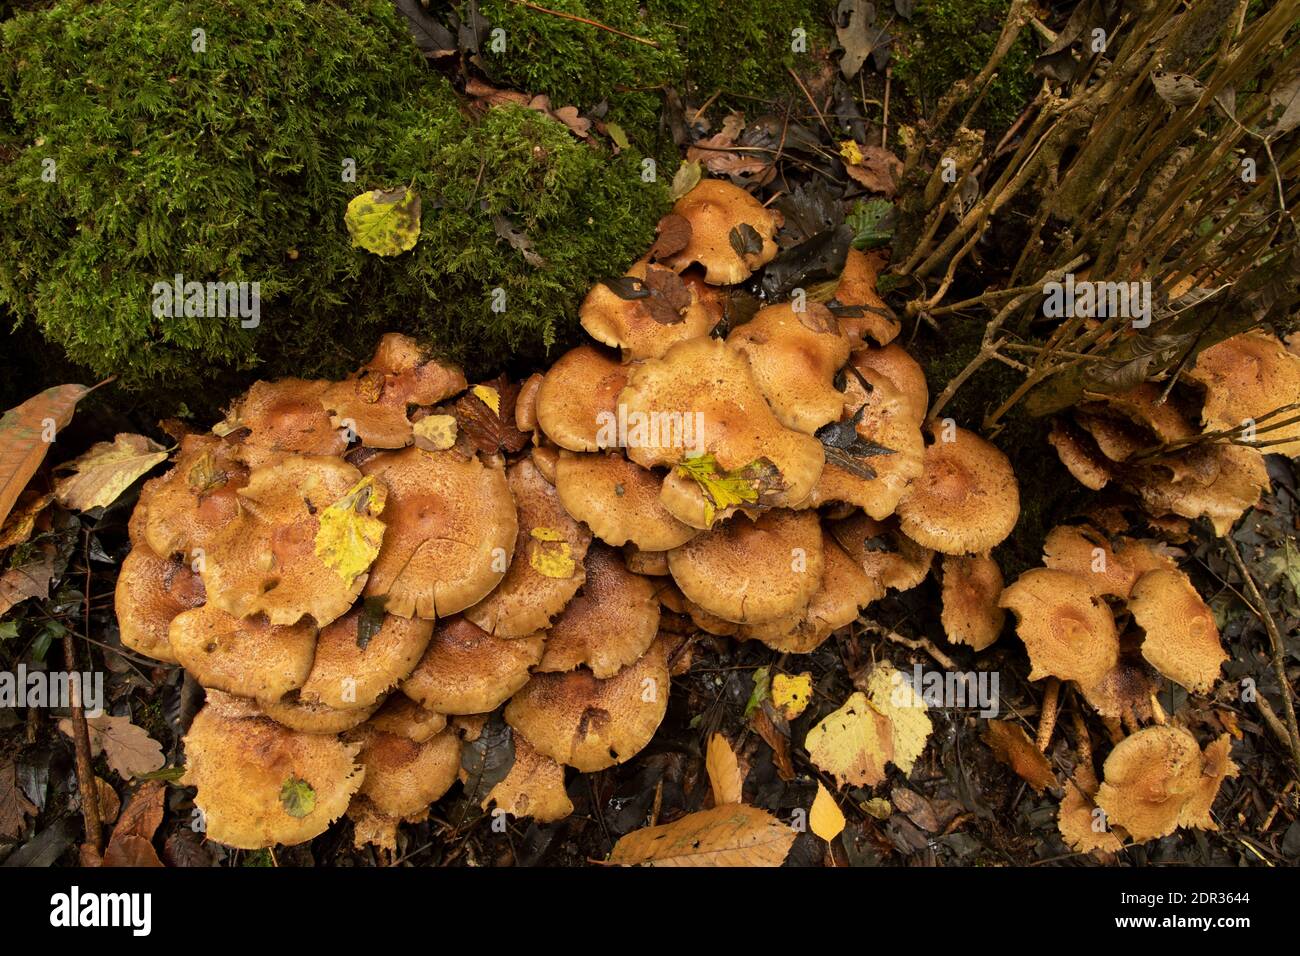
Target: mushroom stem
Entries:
(1157, 712)
(1260, 608)
(1047, 718)
(86, 784)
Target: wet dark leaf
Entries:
(431, 36)
(872, 223)
(627, 288)
(487, 760)
(671, 236)
(518, 240)
(370, 620)
(745, 240)
(819, 259)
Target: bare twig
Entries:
(590, 23)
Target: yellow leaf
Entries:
(435, 432)
(730, 835)
(909, 720)
(550, 554)
(850, 153)
(724, 489)
(349, 535)
(723, 770)
(825, 818)
(384, 221)
(489, 396)
(25, 435)
(878, 807)
(853, 744)
(107, 470)
(792, 694)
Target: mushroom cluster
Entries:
(1197, 452)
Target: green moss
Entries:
(949, 40)
(227, 165)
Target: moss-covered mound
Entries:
(134, 148)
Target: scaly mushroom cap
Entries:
(630, 324)
(1107, 569)
(246, 656)
(1142, 405)
(1182, 640)
(857, 288)
(1080, 455)
(451, 530)
(886, 421)
(286, 416)
(618, 500)
(297, 714)
(1152, 776)
(1239, 478)
(717, 210)
(150, 592)
(1125, 691)
(265, 559)
(403, 777)
(468, 671)
(184, 508)
(404, 717)
(578, 399)
(1118, 439)
(611, 622)
(794, 357)
(1245, 378)
(354, 670)
(373, 401)
(1075, 818)
(259, 783)
(844, 591)
(905, 372)
(966, 500)
(753, 571)
(588, 723)
(971, 589)
(534, 787)
(882, 551)
(703, 382)
(547, 569)
(1068, 632)
(1217, 767)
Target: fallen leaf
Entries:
(859, 36)
(297, 797)
(876, 168)
(729, 835)
(724, 772)
(916, 808)
(349, 534)
(491, 431)
(686, 178)
(106, 470)
(1177, 89)
(792, 694)
(672, 235)
(825, 818)
(14, 805)
(384, 221)
(110, 804)
(1012, 746)
(729, 489)
(774, 730)
(852, 744)
(518, 240)
(908, 717)
(129, 749)
(435, 432)
(29, 580)
(26, 432)
(20, 524)
(487, 759)
(489, 396)
(550, 554)
(132, 841)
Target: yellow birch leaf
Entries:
(724, 489)
(850, 152)
(106, 470)
(792, 694)
(489, 396)
(910, 725)
(349, 535)
(435, 432)
(730, 835)
(825, 818)
(550, 554)
(852, 744)
(723, 770)
(384, 221)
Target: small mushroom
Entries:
(1068, 631)
(526, 403)
(309, 718)
(618, 500)
(1182, 640)
(857, 290)
(578, 399)
(731, 232)
(1239, 478)
(286, 416)
(894, 363)
(150, 592)
(1080, 455)
(534, 786)
(183, 509)
(972, 586)
(404, 717)
(642, 327)
(246, 656)
(1108, 569)
(649, 563)
(402, 777)
(882, 551)
(468, 671)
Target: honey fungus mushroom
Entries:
(618, 500)
(450, 532)
(182, 510)
(1108, 568)
(286, 416)
(967, 498)
(1068, 631)
(972, 586)
(883, 551)
(1181, 639)
(578, 398)
(533, 787)
(247, 656)
(1247, 377)
(260, 783)
(361, 656)
(867, 315)
(150, 592)
(589, 723)
(731, 233)
(661, 313)
(465, 670)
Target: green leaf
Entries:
(728, 489)
(872, 223)
(297, 797)
(686, 178)
(762, 690)
(384, 221)
(8, 630)
(617, 135)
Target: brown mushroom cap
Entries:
(753, 571)
(578, 396)
(1069, 632)
(265, 560)
(1080, 455)
(630, 324)
(582, 721)
(1118, 439)
(794, 357)
(242, 765)
(286, 416)
(882, 551)
(857, 287)
(1246, 377)
(706, 382)
(894, 362)
(536, 587)
(346, 675)
(714, 208)
(308, 718)
(1149, 777)
(534, 787)
(1142, 404)
(1239, 478)
(844, 591)
(249, 656)
(403, 777)
(1217, 767)
(1108, 569)
(184, 508)
(468, 671)
(451, 531)
(1126, 690)
(526, 403)
(1075, 818)
(649, 563)
(150, 592)
(971, 589)
(1182, 640)
(966, 500)
(618, 500)
(373, 402)
(611, 622)
(402, 716)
